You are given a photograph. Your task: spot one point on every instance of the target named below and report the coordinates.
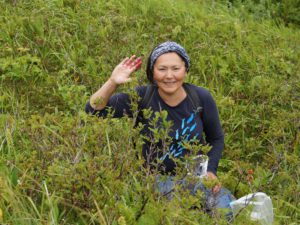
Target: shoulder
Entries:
(201, 91)
(206, 99)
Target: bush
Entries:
(61, 166)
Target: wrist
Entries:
(211, 174)
(112, 82)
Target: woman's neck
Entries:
(173, 99)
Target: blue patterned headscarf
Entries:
(169, 46)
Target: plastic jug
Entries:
(262, 207)
(198, 166)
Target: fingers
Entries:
(128, 61)
(216, 188)
(132, 62)
(124, 61)
(137, 63)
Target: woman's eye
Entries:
(162, 69)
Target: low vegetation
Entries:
(61, 166)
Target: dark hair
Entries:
(149, 70)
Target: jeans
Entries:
(220, 200)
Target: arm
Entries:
(120, 75)
(214, 137)
(213, 132)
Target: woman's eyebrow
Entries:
(162, 65)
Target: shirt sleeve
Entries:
(118, 104)
(213, 132)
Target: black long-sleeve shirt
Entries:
(187, 125)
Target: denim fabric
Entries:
(220, 200)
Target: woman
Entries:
(167, 68)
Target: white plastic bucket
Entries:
(262, 207)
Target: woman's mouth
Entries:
(168, 83)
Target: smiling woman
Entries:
(167, 68)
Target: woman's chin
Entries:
(169, 90)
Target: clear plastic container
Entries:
(198, 166)
(262, 210)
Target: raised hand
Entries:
(121, 73)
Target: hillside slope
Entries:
(61, 166)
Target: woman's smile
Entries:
(169, 83)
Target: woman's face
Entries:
(169, 72)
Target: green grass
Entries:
(60, 166)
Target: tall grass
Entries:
(60, 166)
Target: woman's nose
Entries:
(169, 73)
